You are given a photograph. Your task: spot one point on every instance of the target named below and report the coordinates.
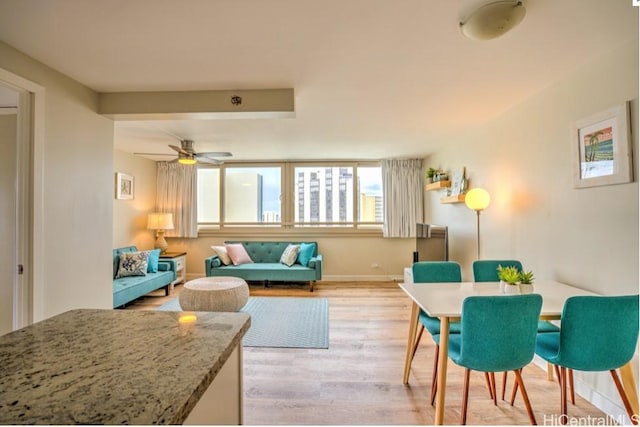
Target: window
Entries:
(208, 195)
(370, 208)
(327, 195)
(317, 200)
(252, 195)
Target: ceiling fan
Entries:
(188, 156)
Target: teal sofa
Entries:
(266, 265)
(126, 289)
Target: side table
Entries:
(180, 259)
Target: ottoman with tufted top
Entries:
(220, 293)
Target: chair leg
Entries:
(514, 392)
(434, 378)
(525, 397)
(465, 396)
(572, 395)
(488, 380)
(415, 344)
(623, 395)
(563, 395)
(493, 388)
(504, 384)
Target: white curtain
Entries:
(176, 193)
(402, 189)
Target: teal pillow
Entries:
(154, 257)
(306, 253)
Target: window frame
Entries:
(287, 225)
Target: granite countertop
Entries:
(114, 366)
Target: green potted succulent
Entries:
(509, 278)
(431, 173)
(526, 282)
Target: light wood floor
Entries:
(358, 380)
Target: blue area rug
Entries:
(283, 322)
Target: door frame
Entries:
(29, 289)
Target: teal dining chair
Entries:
(435, 272)
(487, 271)
(497, 333)
(597, 333)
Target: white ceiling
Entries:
(373, 78)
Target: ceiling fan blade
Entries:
(179, 150)
(154, 154)
(208, 160)
(211, 154)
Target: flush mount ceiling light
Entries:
(492, 19)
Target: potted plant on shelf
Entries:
(431, 173)
(526, 282)
(509, 279)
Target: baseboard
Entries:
(361, 278)
(337, 278)
(615, 412)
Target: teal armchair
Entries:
(597, 333)
(435, 272)
(497, 333)
(487, 271)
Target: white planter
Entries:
(511, 289)
(526, 288)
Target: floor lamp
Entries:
(477, 199)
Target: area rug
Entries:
(283, 322)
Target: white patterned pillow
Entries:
(290, 255)
(133, 264)
(222, 253)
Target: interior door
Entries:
(8, 207)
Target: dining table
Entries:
(444, 301)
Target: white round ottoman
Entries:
(214, 294)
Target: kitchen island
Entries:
(124, 367)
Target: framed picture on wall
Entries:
(124, 186)
(602, 148)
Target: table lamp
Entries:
(160, 222)
(477, 199)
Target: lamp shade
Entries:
(160, 221)
(477, 199)
(493, 19)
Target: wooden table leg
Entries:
(442, 369)
(413, 328)
(629, 385)
(550, 376)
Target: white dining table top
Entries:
(445, 299)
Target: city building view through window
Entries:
(325, 195)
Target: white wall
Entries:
(587, 237)
(130, 216)
(78, 188)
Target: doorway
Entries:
(17, 202)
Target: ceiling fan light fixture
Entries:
(493, 19)
(186, 159)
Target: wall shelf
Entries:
(438, 185)
(452, 199)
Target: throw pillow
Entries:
(306, 253)
(238, 254)
(133, 264)
(154, 257)
(222, 253)
(290, 255)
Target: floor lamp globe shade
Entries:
(477, 199)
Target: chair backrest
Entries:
(498, 333)
(598, 333)
(486, 270)
(436, 271)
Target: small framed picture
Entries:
(602, 148)
(124, 186)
